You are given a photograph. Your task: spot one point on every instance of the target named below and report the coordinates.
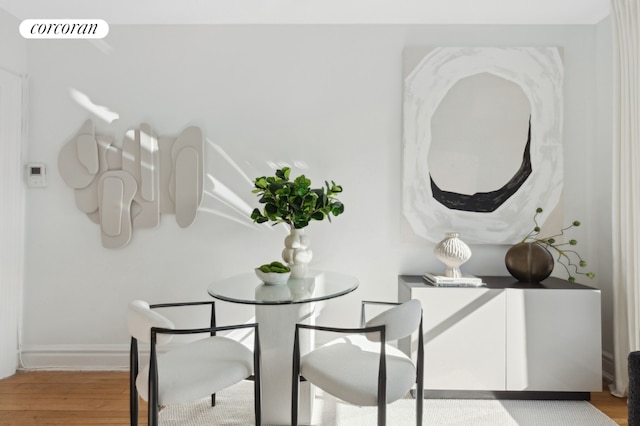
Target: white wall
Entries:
(328, 97)
(13, 51)
(13, 55)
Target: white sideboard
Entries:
(509, 336)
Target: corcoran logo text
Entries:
(64, 28)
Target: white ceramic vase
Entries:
(453, 252)
(296, 252)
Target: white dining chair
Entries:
(189, 371)
(362, 368)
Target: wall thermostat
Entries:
(37, 175)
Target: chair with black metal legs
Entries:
(362, 368)
(189, 371)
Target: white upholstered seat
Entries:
(198, 369)
(191, 370)
(363, 369)
(347, 368)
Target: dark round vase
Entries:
(529, 262)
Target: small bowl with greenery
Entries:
(273, 273)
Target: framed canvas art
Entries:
(482, 140)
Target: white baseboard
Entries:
(116, 358)
(83, 357)
(98, 357)
(608, 366)
(74, 357)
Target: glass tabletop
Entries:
(317, 285)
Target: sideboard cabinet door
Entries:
(553, 340)
(464, 334)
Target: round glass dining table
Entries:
(317, 285)
(278, 307)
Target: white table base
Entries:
(276, 343)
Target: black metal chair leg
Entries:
(295, 379)
(212, 324)
(382, 414)
(294, 401)
(133, 391)
(153, 415)
(257, 373)
(419, 406)
(382, 381)
(153, 382)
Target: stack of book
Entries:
(440, 280)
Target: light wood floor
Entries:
(102, 398)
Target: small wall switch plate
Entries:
(37, 175)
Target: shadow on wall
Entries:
(130, 187)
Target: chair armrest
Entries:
(155, 330)
(376, 302)
(212, 330)
(356, 330)
(171, 305)
(212, 321)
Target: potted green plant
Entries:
(295, 203)
(532, 260)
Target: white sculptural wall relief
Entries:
(482, 140)
(130, 187)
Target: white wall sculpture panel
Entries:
(482, 140)
(123, 188)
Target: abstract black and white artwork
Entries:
(482, 140)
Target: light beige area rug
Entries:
(234, 406)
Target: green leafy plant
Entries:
(565, 255)
(294, 202)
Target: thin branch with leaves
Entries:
(570, 260)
